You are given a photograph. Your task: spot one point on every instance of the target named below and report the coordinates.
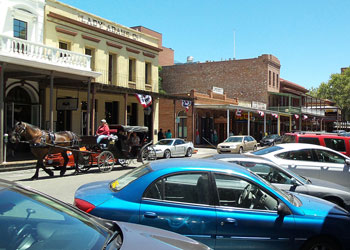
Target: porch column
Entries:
(300, 118)
(51, 101)
(126, 109)
(93, 109)
(248, 123)
(265, 124)
(2, 87)
(290, 123)
(228, 123)
(279, 124)
(88, 107)
(174, 133)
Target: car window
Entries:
(246, 138)
(164, 142)
(328, 156)
(179, 142)
(187, 188)
(289, 139)
(297, 155)
(336, 144)
(236, 192)
(268, 172)
(129, 177)
(309, 140)
(234, 139)
(267, 150)
(250, 138)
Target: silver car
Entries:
(290, 181)
(173, 147)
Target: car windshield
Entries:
(165, 142)
(270, 137)
(234, 139)
(42, 223)
(265, 151)
(129, 177)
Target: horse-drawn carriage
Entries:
(116, 149)
(86, 152)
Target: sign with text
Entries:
(258, 105)
(67, 104)
(218, 90)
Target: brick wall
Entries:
(243, 79)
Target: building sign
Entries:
(218, 90)
(258, 105)
(67, 104)
(108, 27)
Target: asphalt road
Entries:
(63, 188)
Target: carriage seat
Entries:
(113, 131)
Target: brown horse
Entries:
(43, 142)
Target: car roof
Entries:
(301, 146)
(177, 165)
(242, 157)
(316, 135)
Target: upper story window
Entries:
(91, 52)
(277, 80)
(64, 45)
(112, 68)
(273, 80)
(148, 73)
(270, 78)
(20, 29)
(132, 70)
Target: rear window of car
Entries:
(288, 139)
(129, 177)
(309, 140)
(336, 144)
(265, 151)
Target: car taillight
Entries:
(83, 205)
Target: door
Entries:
(36, 115)
(247, 217)
(64, 120)
(181, 203)
(179, 147)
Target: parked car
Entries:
(334, 141)
(237, 144)
(270, 140)
(32, 220)
(287, 180)
(173, 147)
(311, 161)
(223, 205)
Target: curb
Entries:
(15, 166)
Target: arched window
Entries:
(182, 124)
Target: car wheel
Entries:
(318, 243)
(273, 143)
(241, 150)
(255, 148)
(167, 154)
(189, 152)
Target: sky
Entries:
(309, 37)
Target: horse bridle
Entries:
(19, 130)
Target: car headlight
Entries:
(233, 146)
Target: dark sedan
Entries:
(31, 220)
(269, 140)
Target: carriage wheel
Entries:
(124, 162)
(85, 162)
(148, 154)
(105, 161)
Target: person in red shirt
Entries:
(102, 131)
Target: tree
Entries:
(160, 81)
(336, 89)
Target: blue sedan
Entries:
(223, 205)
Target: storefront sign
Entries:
(67, 104)
(258, 105)
(218, 90)
(108, 27)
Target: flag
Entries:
(186, 104)
(296, 116)
(305, 117)
(144, 100)
(275, 115)
(238, 113)
(261, 113)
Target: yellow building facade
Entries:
(126, 59)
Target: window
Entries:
(91, 52)
(270, 78)
(132, 70)
(187, 188)
(20, 29)
(112, 58)
(277, 80)
(182, 125)
(330, 157)
(336, 144)
(309, 140)
(148, 73)
(65, 46)
(236, 192)
(298, 155)
(273, 80)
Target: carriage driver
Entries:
(102, 131)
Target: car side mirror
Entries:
(347, 162)
(283, 210)
(294, 184)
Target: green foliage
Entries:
(160, 81)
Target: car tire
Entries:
(167, 154)
(320, 243)
(189, 152)
(240, 150)
(255, 148)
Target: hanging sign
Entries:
(305, 117)
(144, 100)
(238, 113)
(261, 113)
(296, 116)
(186, 104)
(275, 115)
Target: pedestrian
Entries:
(160, 134)
(215, 137)
(168, 134)
(198, 139)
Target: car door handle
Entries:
(150, 215)
(230, 221)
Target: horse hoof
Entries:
(34, 178)
(51, 174)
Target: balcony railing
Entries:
(312, 111)
(287, 109)
(23, 49)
